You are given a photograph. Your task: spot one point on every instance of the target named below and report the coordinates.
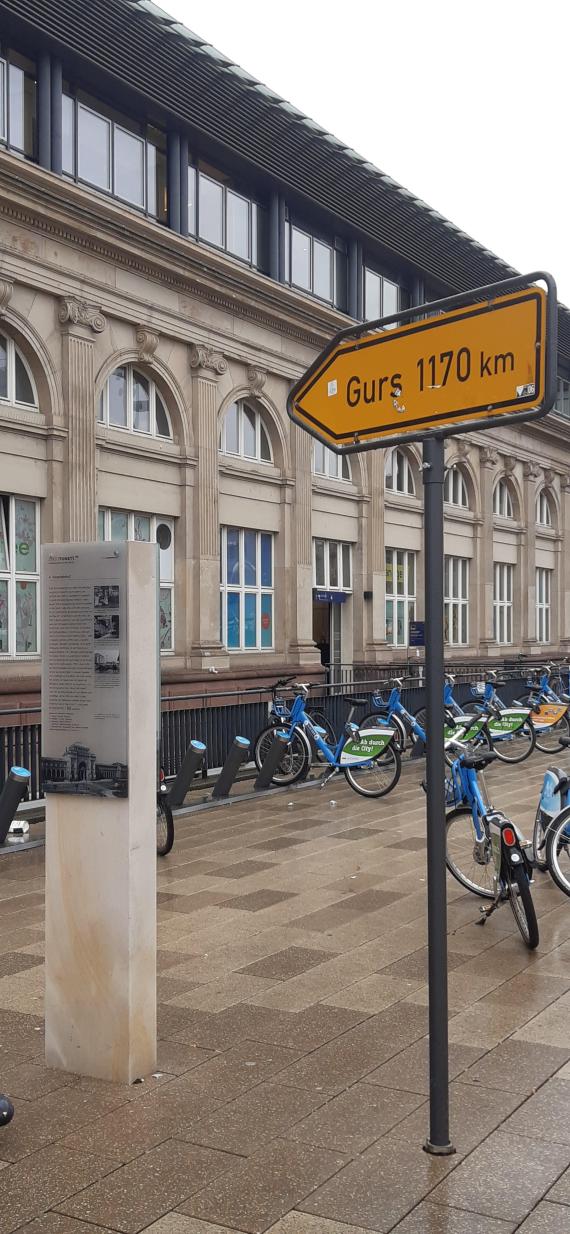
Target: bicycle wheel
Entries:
(296, 758)
(558, 851)
(319, 717)
(164, 826)
(517, 746)
(469, 860)
(539, 843)
(378, 777)
(520, 900)
(548, 739)
(421, 717)
(377, 720)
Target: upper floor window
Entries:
(119, 525)
(131, 401)
(382, 297)
(562, 404)
(316, 265)
(16, 384)
(502, 500)
(327, 463)
(543, 510)
(332, 565)
(455, 488)
(19, 576)
(113, 153)
(18, 104)
(244, 434)
(224, 217)
(398, 474)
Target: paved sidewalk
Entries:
(291, 1093)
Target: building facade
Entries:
(167, 270)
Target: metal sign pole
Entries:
(433, 476)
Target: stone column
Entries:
(531, 472)
(375, 579)
(206, 367)
(483, 556)
(80, 321)
(302, 646)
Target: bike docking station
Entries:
(100, 713)
(468, 362)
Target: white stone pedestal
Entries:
(100, 1005)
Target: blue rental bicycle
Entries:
(549, 713)
(551, 834)
(369, 759)
(279, 714)
(485, 851)
(392, 711)
(510, 728)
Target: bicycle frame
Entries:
(488, 822)
(394, 706)
(546, 706)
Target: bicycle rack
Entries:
(271, 761)
(237, 754)
(14, 790)
(191, 763)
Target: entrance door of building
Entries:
(327, 627)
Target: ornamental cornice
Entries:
(80, 313)
(158, 270)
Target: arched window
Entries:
(327, 463)
(16, 382)
(543, 509)
(398, 474)
(455, 488)
(244, 434)
(132, 401)
(502, 500)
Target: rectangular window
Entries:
(18, 104)
(94, 148)
(543, 604)
(456, 601)
(120, 525)
(246, 589)
(128, 155)
(19, 576)
(332, 565)
(503, 582)
(315, 266)
(238, 226)
(211, 211)
(103, 149)
(400, 595)
(382, 297)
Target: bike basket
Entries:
(452, 795)
(478, 690)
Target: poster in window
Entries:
(84, 669)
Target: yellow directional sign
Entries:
(476, 363)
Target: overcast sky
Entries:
(466, 105)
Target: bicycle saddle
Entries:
(355, 700)
(476, 762)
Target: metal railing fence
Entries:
(215, 717)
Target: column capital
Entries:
(81, 313)
(531, 471)
(549, 476)
(206, 362)
(147, 343)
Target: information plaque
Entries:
(84, 669)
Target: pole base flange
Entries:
(439, 1150)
